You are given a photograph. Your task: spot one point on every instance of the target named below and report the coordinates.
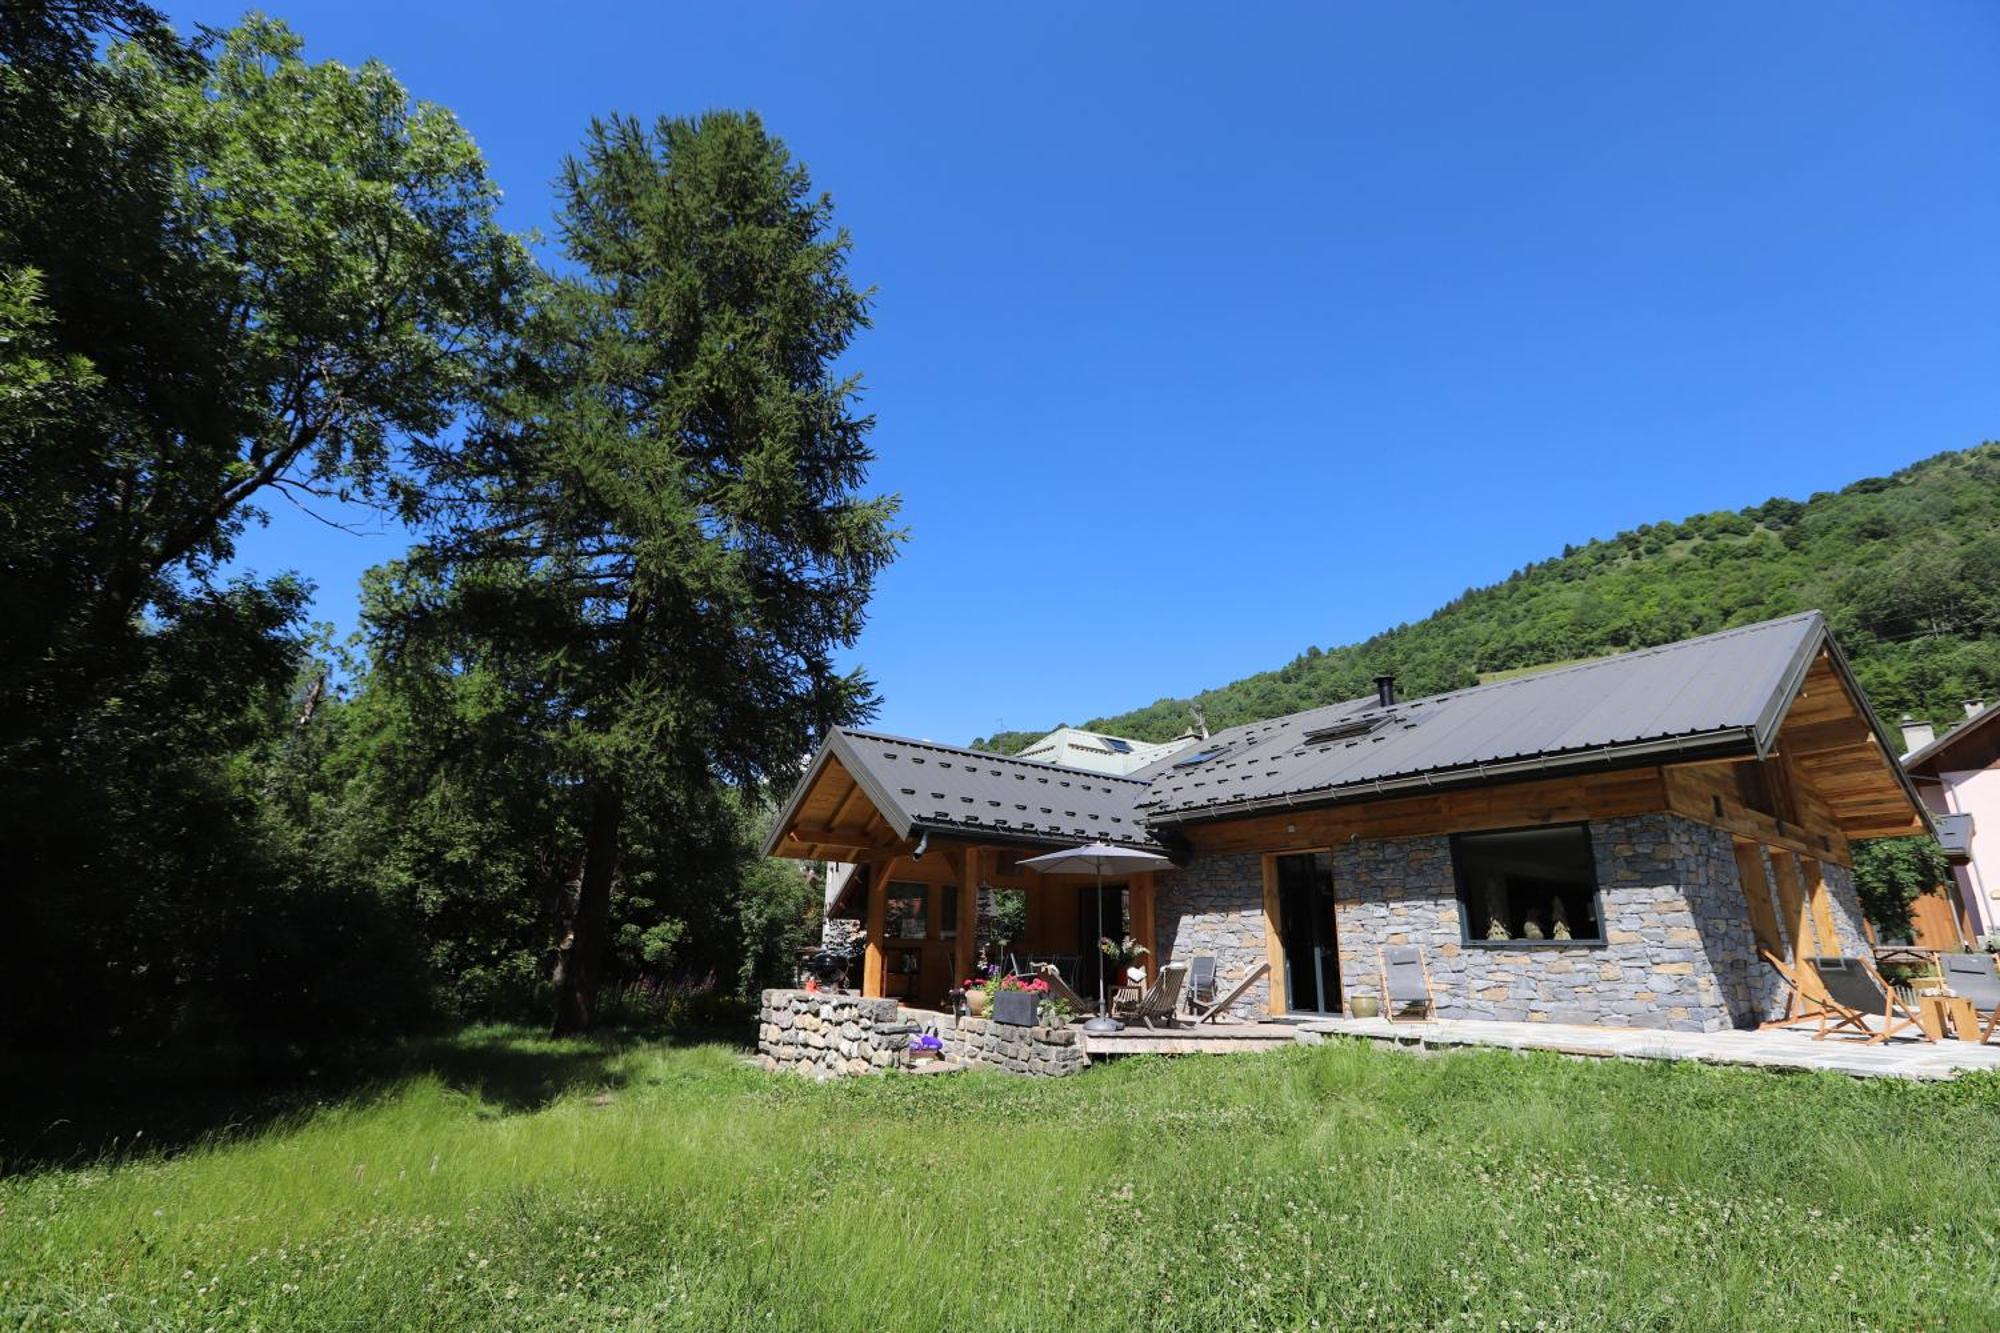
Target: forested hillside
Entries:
(1907, 568)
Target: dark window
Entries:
(1116, 746)
(907, 915)
(1533, 886)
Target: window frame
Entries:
(1463, 895)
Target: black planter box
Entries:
(1016, 1006)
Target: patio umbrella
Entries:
(1095, 858)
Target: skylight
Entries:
(1201, 757)
(1341, 730)
(1115, 745)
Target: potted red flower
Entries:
(1019, 999)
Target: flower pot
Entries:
(1365, 1006)
(1017, 1007)
(975, 1002)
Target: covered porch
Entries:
(925, 846)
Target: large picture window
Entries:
(1528, 886)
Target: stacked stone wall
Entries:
(825, 1035)
(822, 1034)
(1677, 951)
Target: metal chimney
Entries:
(1385, 690)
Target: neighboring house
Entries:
(1958, 776)
(1612, 842)
(1094, 752)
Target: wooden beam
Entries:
(1140, 889)
(875, 961)
(968, 914)
(1274, 944)
(1757, 892)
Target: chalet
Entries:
(1958, 776)
(1607, 843)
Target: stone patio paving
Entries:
(1772, 1048)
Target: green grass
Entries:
(505, 1180)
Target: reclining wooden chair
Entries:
(1851, 993)
(1207, 1013)
(1156, 1007)
(1060, 990)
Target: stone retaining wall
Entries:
(825, 1035)
(983, 1043)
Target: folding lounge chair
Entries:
(1060, 989)
(1201, 981)
(1156, 1007)
(1972, 976)
(1406, 982)
(1206, 1013)
(1801, 1006)
(1851, 993)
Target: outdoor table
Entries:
(1948, 1015)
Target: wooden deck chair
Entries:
(1207, 1013)
(1802, 1002)
(1406, 982)
(1853, 993)
(1156, 1007)
(1060, 990)
(1971, 976)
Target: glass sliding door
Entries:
(1306, 929)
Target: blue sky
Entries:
(1223, 330)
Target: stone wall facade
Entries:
(1678, 950)
(823, 1034)
(1216, 906)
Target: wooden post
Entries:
(1143, 922)
(1792, 904)
(875, 962)
(1821, 904)
(968, 914)
(1274, 944)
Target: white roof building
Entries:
(1094, 752)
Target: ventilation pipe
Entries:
(1385, 690)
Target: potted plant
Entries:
(978, 995)
(1018, 999)
(1121, 955)
(927, 1046)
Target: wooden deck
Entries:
(1207, 1039)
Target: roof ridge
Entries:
(1607, 660)
(1035, 764)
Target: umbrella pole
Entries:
(1104, 1022)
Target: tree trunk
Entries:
(580, 960)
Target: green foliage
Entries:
(1907, 568)
(500, 1180)
(1889, 874)
(225, 273)
(653, 541)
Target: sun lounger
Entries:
(1972, 976)
(1060, 989)
(1406, 982)
(1207, 1013)
(1851, 993)
(1201, 980)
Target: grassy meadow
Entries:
(502, 1180)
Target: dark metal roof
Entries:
(1720, 693)
(919, 786)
